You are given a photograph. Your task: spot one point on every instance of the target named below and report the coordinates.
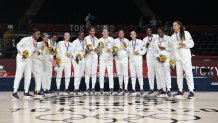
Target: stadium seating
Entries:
(57, 12)
(205, 44)
(12, 11)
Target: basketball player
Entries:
(136, 50)
(182, 42)
(163, 47)
(149, 41)
(52, 42)
(38, 67)
(23, 65)
(106, 61)
(122, 61)
(46, 63)
(64, 52)
(78, 47)
(91, 60)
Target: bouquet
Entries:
(172, 64)
(55, 54)
(101, 44)
(115, 51)
(25, 54)
(50, 48)
(162, 58)
(100, 47)
(58, 61)
(78, 58)
(89, 48)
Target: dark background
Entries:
(111, 11)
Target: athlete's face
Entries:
(66, 36)
(54, 38)
(160, 32)
(36, 35)
(81, 36)
(133, 35)
(121, 34)
(92, 32)
(45, 38)
(176, 27)
(149, 31)
(105, 33)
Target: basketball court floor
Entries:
(109, 109)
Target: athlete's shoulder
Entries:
(75, 41)
(125, 39)
(140, 40)
(110, 38)
(100, 39)
(27, 38)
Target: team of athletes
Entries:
(87, 54)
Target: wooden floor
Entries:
(108, 109)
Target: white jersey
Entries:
(108, 44)
(164, 41)
(123, 52)
(136, 45)
(78, 47)
(53, 44)
(150, 50)
(44, 53)
(93, 41)
(182, 53)
(27, 43)
(63, 48)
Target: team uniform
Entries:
(78, 47)
(122, 63)
(106, 62)
(164, 68)
(49, 66)
(136, 63)
(91, 63)
(23, 66)
(46, 65)
(183, 62)
(64, 48)
(37, 69)
(151, 63)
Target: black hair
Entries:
(148, 27)
(54, 34)
(161, 28)
(79, 33)
(44, 34)
(35, 30)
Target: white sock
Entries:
(126, 86)
(141, 87)
(15, 90)
(133, 87)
